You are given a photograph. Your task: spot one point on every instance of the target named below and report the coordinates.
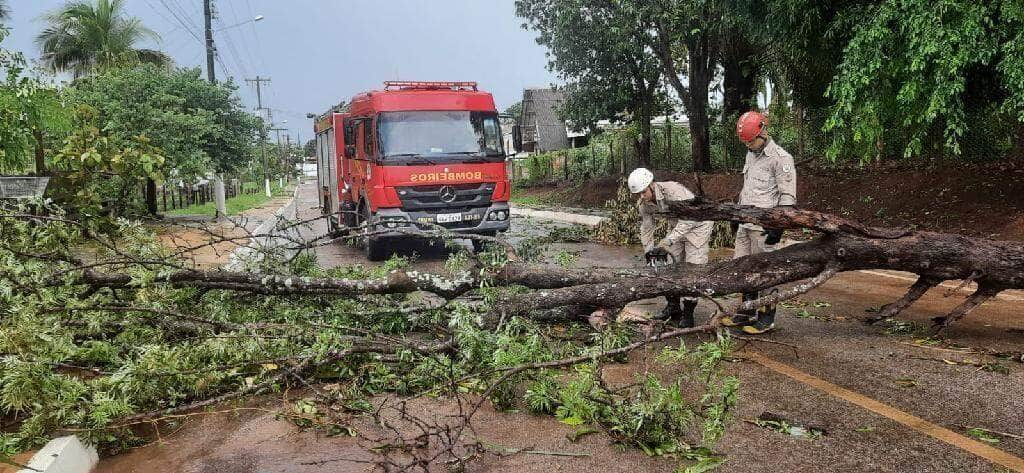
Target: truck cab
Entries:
(424, 155)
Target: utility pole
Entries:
(210, 48)
(280, 151)
(219, 197)
(263, 132)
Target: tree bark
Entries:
(150, 196)
(740, 74)
(40, 152)
(643, 142)
(700, 66)
(700, 78)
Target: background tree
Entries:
(199, 127)
(515, 110)
(4, 11)
(926, 78)
(309, 149)
(32, 117)
(599, 50)
(83, 35)
(690, 29)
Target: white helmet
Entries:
(639, 180)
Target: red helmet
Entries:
(750, 125)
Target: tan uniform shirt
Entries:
(692, 235)
(769, 178)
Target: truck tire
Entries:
(376, 249)
(332, 226)
(336, 228)
(478, 245)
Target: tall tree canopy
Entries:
(199, 127)
(32, 116)
(599, 50)
(922, 77)
(83, 35)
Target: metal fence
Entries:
(186, 195)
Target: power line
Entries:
(245, 44)
(181, 22)
(255, 33)
(238, 61)
(188, 16)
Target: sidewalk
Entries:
(198, 231)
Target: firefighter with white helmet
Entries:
(769, 180)
(685, 241)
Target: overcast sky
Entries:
(319, 52)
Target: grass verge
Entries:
(235, 205)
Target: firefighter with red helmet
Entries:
(769, 180)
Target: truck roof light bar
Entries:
(425, 85)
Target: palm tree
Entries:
(83, 35)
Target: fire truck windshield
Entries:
(454, 135)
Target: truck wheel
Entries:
(478, 245)
(332, 226)
(337, 227)
(375, 248)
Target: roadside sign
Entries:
(22, 187)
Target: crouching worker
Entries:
(686, 240)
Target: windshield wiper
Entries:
(419, 159)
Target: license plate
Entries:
(449, 218)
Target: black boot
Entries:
(686, 318)
(672, 311)
(743, 317)
(765, 319)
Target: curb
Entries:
(564, 217)
(239, 256)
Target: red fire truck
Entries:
(415, 154)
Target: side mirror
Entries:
(517, 138)
(350, 151)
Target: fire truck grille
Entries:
(446, 198)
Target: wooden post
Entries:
(800, 131)
(593, 161)
(611, 154)
(668, 141)
(565, 164)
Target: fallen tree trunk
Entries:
(844, 245)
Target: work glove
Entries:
(656, 255)
(772, 236)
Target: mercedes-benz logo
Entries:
(447, 194)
